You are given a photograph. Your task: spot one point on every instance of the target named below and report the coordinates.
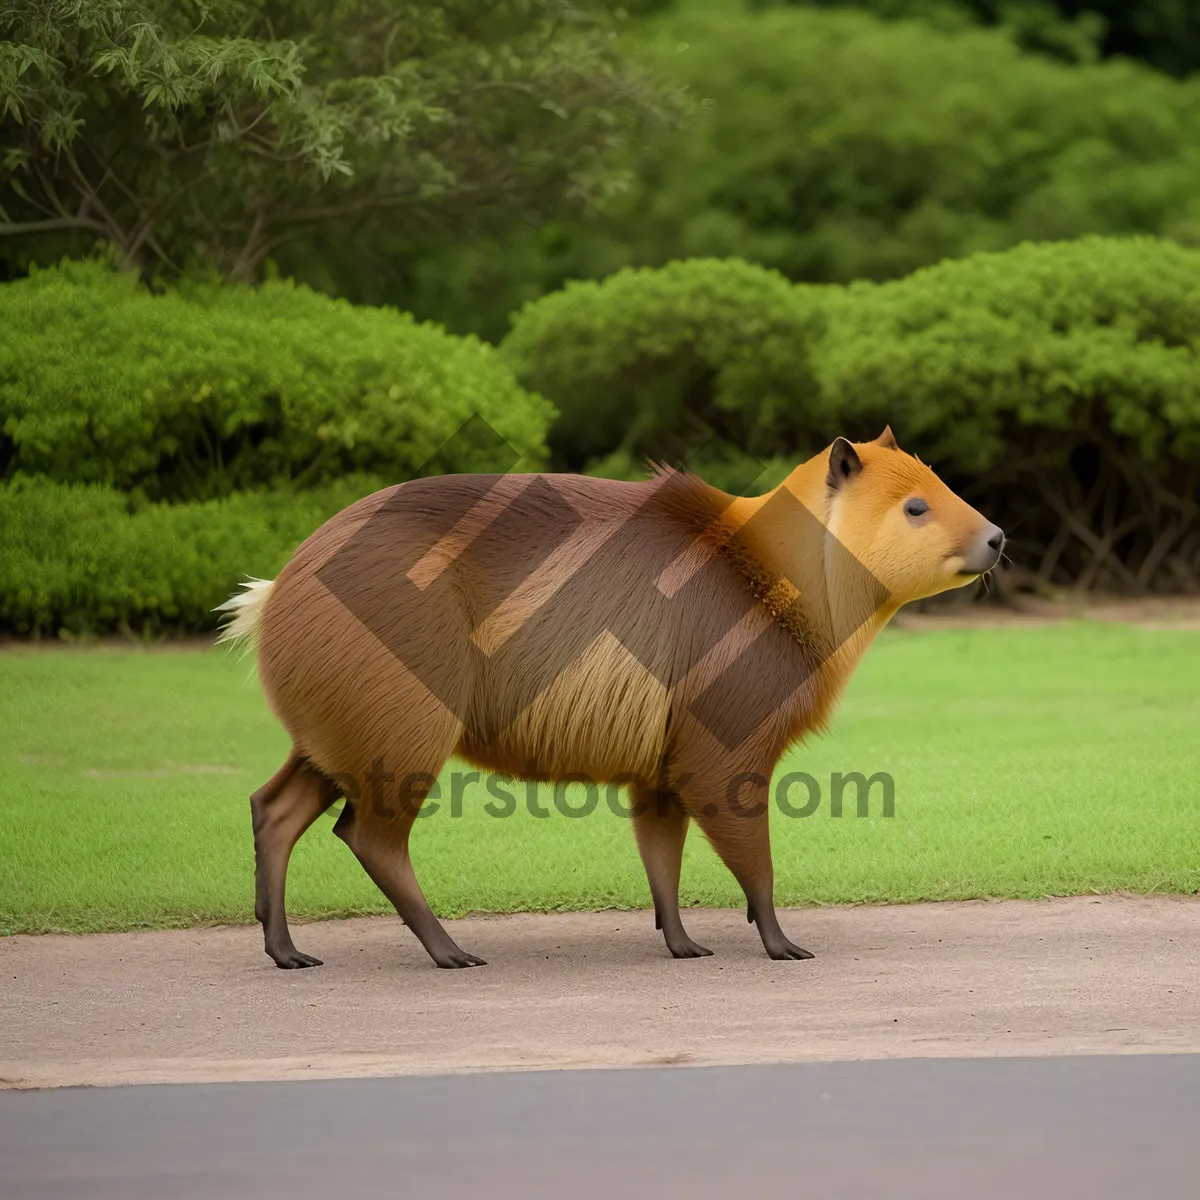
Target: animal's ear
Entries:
(844, 464)
(887, 439)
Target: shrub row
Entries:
(85, 558)
(196, 394)
(1056, 385)
(1059, 382)
(1074, 335)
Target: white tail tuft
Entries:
(244, 610)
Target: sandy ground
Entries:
(1153, 612)
(984, 978)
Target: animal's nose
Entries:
(985, 553)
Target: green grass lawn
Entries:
(1027, 762)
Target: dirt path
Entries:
(1154, 612)
(1085, 975)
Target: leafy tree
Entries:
(221, 131)
(836, 146)
(832, 145)
(1164, 33)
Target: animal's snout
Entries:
(985, 552)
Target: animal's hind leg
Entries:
(281, 811)
(661, 828)
(380, 843)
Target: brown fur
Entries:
(460, 615)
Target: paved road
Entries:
(976, 1129)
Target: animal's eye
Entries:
(916, 508)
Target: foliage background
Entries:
(301, 244)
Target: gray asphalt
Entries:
(961, 1129)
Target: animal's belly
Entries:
(602, 717)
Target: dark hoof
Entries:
(293, 960)
(460, 958)
(689, 949)
(788, 950)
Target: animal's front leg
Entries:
(661, 827)
(734, 814)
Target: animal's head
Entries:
(902, 523)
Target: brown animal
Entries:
(659, 634)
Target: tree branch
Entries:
(51, 225)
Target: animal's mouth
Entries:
(984, 555)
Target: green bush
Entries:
(198, 393)
(1089, 338)
(1057, 384)
(85, 558)
(653, 363)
